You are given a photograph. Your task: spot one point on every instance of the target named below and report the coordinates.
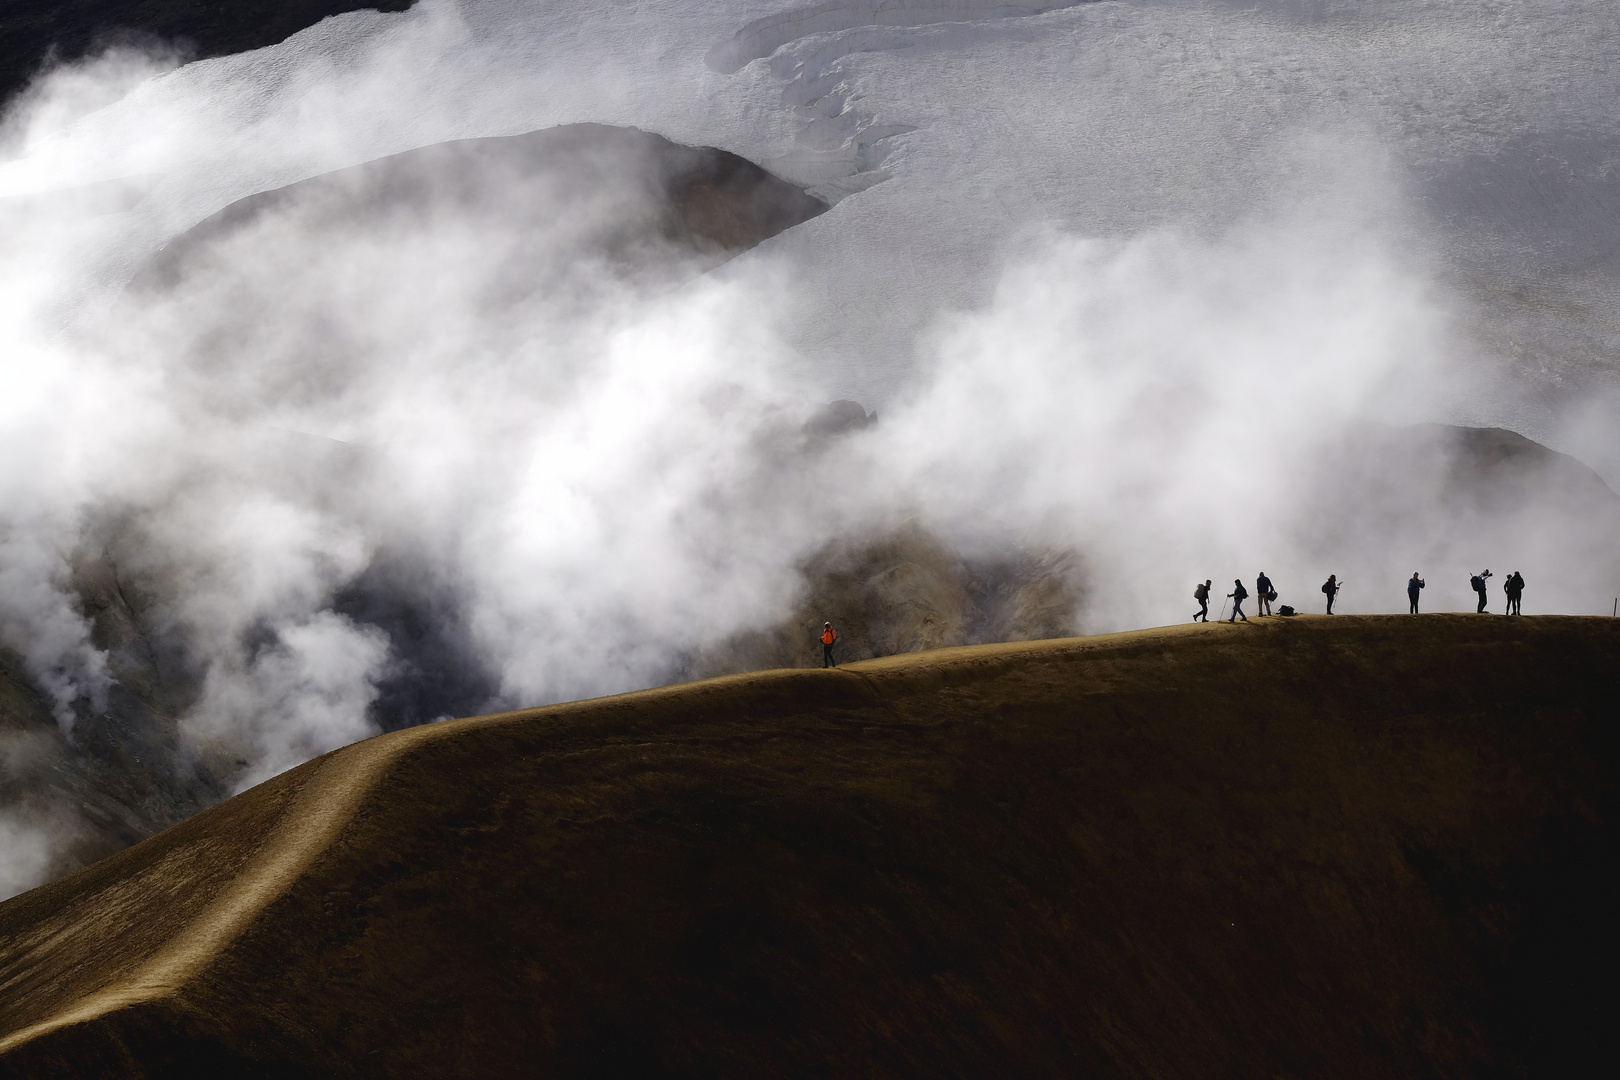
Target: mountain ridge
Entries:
(986, 857)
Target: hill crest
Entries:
(996, 855)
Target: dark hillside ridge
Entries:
(672, 202)
(128, 773)
(1326, 847)
(36, 32)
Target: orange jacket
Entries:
(828, 636)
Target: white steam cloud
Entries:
(25, 854)
(1156, 403)
(606, 475)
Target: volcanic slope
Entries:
(1350, 846)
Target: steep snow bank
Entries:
(762, 37)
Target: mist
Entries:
(592, 462)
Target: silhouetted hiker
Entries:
(1412, 588)
(1238, 595)
(828, 637)
(1330, 589)
(1201, 594)
(1477, 583)
(1262, 595)
(1514, 587)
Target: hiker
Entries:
(1477, 583)
(828, 637)
(1201, 594)
(1238, 595)
(1514, 587)
(1263, 594)
(1412, 588)
(1330, 589)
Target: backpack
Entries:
(1477, 582)
(1271, 596)
(1286, 610)
(1324, 586)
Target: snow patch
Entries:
(762, 37)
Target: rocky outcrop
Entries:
(905, 592)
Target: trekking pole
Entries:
(1222, 615)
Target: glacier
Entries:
(961, 124)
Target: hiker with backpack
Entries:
(1264, 594)
(1201, 594)
(829, 637)
(1514, 587)
(1412, 588)
(1330, 589)
(1237, 596)
(1477, 583)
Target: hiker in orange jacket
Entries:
(828, 637)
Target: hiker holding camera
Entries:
(1477, 583)
(1412, 588)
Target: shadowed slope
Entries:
(1327, 847)
(647, 206)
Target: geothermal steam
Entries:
(597, 474)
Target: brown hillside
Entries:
(1309, 847)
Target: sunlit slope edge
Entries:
(1331, 847)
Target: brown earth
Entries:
(905, 591)
(1350, 846)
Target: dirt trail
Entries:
(320, 811)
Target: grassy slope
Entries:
(1359, 846)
